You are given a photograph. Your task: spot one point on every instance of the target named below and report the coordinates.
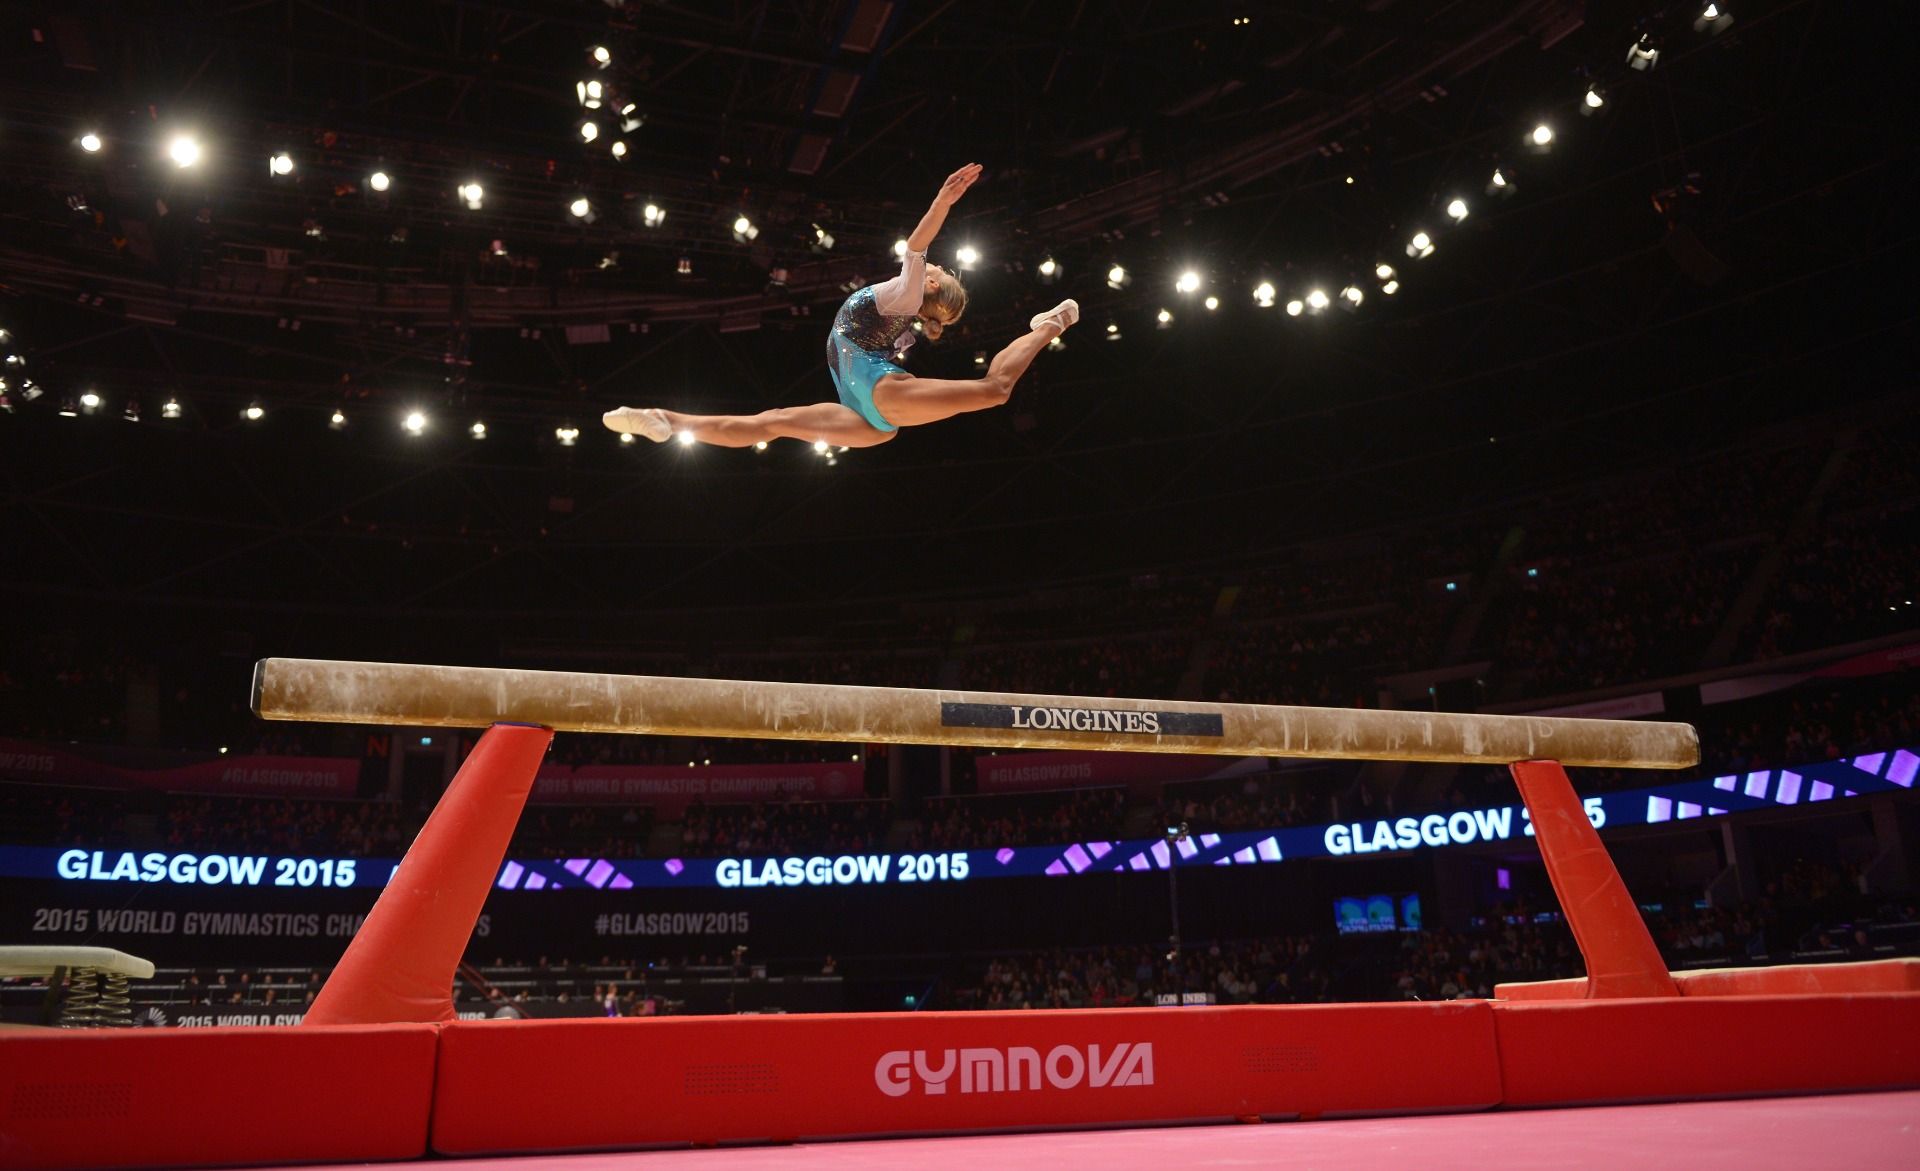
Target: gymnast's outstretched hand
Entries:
(956, 185)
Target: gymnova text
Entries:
(1011, 1070)
(1440, 829)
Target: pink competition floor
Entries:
(1837, 1131)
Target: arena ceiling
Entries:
(1719, 246)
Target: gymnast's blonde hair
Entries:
(950, 295)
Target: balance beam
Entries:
(325, 691)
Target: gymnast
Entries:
(870, 334)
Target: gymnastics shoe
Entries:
(1064, 314)
(650, 422)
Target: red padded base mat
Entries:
(203, 1097)
(579, 1085)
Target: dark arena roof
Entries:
(1707, 256)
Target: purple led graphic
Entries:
(1077, 858)
(510, 875)
(1687, 809)
(1223, 861)
(1659, 808)
(1712, 812)
(1161, 854)
(1139, 862)
(675, 866)
(1789, 793)
(1187, 848)
(1269, 849)
(1209, 840)
(621, 882)
(1725, 783)
(1245, 855)
(1004, 856)
(577, 866)
(602, 870)
(1056, 867)
(1756, 784)
(1904, 765)
(1099, 849)
(537, 881)
(1821, 791)
(1870, 763)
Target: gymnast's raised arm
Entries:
(949, 194)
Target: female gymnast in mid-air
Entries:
(872, 330)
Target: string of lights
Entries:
(609, 115)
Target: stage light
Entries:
(1644, 53)
(68, 408)
(589, 131)
(1390, 288)
(91, 401)
(1457, 209)
(580, 208)
(630, 120)
(1318, 300)
(1118, 277)
(280, 164)
(170, 409)
(684, 266)
(337, 420)
(1165, 318)
(602, 56)
(1058, 343)
(1593, 100)
(589, 93)
(820, 447)
(1212, 303)
(478, 430)
(1352, 296)
(1421, 246)
(1296, 307)
(1263, 294)
(567, 435)
(1113, 331)
(1542, 135)
(1383, 271)
(652, 215)
(254, 412)
(760, 446)
(1049, 270)
(415, 422)
(744, 230)
(379, 181)
(473, 194)
(1189, 282)
(900, 247)
(184, 150)
(1712, 19)
(618, 150)
(1500, 183)
(979, 357)
(90, 143)
(968, 256)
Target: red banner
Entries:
(722, 784)
(1031, 772)
(180, 772)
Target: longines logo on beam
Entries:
(1080, 719)
(1005, 1071)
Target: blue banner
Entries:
(1705, 797)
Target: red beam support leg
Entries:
(400, 966)
(1621, 957)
